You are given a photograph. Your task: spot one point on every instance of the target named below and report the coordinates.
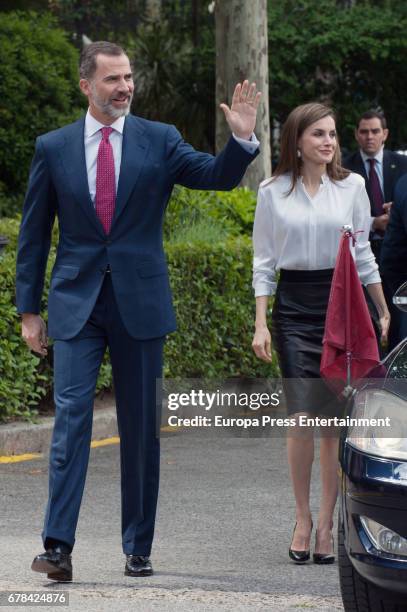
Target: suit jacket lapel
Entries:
(360, 166)
(134, 151)
(387, 176)
(74, 162)
(361, 169)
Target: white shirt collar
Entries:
(92, 125)
(324, 179)
(378, 157)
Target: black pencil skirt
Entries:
(298, 322)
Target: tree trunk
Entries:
(242, 53)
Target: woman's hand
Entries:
(376, 293)
(384, 322)
(262, 343)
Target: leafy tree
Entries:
(351, 56)
(24, 5)
(100, 20)
(38, 90)
(350, 53)
(174, 82)
(173, 57)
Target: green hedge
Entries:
(215, 312)
(231, 211)
(22, 381)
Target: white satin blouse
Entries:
(297, 232)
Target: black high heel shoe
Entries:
(324, 558)
(299, 556)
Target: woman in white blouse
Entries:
(299, 215)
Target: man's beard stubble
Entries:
(107, 108)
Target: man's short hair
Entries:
(87, 62)
(373, 114)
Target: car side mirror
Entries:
(400, 297)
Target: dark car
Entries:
(372, 526)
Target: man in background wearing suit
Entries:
(108, 178)
(381, 170)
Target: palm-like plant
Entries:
(158, 62)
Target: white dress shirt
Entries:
(298, 232)
(93, 136)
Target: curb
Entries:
(20, 438)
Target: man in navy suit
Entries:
(108, 178)
(381, 170)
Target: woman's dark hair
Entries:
(297, 122)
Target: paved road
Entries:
(224, 524)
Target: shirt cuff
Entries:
(250, 145)
(268, 289)
(372, 278)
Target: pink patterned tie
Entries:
(105, 181)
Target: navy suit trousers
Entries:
(136, 366)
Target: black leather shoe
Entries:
(137, 565)
(55, 563)
(324, 558)
(299, 556)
